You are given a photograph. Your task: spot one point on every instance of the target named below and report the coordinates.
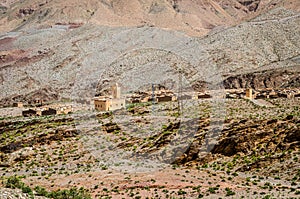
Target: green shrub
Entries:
(229, 192)
(181, 192)
(13, 182)
(26, 189)
(267, 197)
(40, 191)
(74, 193)
(211, 190)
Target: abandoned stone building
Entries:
(204, 96)
(110, 103)
(18, 104)
(164, 98)
(50, 111)
(43, 111)
(185, 97)
(133, 100)
(36, 101)
(64, 109)
(30, 112)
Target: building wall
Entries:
(185, 97)
(50, 111)
(28, 113)
(109, 104)
(116, 91)
(164, 99)
(115, 104)
(18, 104)
(134, 100)
(101, 105)
(67, 110)
(249, 93)
(204, 96)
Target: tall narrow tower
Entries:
(179, 92)
(249, 93)
(116, 91)
(153, 98)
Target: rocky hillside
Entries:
(52, 55)
(255, 151)
(192, 17)
(276, 78)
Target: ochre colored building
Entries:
(18, 104)
(249, 93)
(115, 102)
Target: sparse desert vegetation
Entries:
(43, 155)
(209, 105)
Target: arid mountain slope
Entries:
(192, 17)
(61, 62)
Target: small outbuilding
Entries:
(164, 98)
(49, 111)
(29, 113)
(185, 97)
(18, 104)
(204, 96)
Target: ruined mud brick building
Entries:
(43, 111)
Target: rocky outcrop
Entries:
(110, 127)
(25, 11)
(264, 79)
(47, 138)
(38, 139)
(251, 5)
(248, 137)
(42, 94)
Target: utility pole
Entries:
(179, 92)
(153, 98)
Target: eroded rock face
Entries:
(246, 138)
(25, 11)
(251, 5)
(264, 79)
(139, 110)
(60, 134)
(44, 138)
(110, 127)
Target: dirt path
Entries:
(274, 20)
(261, 102)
